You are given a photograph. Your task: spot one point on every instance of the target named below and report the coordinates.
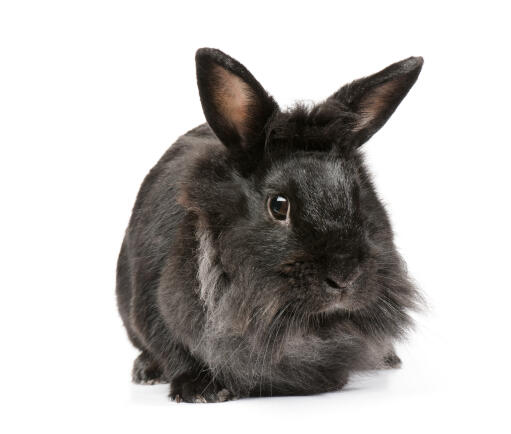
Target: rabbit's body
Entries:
(225, 300)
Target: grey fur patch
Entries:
(208, 273)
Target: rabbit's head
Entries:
(288, 222)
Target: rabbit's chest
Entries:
(288, 364)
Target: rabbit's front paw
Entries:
(198, 388)
(392, 361)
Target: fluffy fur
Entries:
(223, 300)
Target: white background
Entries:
(91, 95)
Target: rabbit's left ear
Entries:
(236, 106)
(373, 99)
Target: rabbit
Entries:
(259, 260)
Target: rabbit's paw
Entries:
(392, 361)
(198, 388)
(147, 371)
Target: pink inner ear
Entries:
(233, 97)
(373, 103)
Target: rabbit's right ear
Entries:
(236, 106)
(373, 99)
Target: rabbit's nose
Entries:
(342, 280)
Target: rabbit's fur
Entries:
(224, 300)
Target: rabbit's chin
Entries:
(342, 304)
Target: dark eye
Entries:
(278, 207)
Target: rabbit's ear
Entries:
(373, 99)
(235, 105)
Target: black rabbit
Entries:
(258, 259)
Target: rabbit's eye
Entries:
(278, 207)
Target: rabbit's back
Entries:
(149, 238)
